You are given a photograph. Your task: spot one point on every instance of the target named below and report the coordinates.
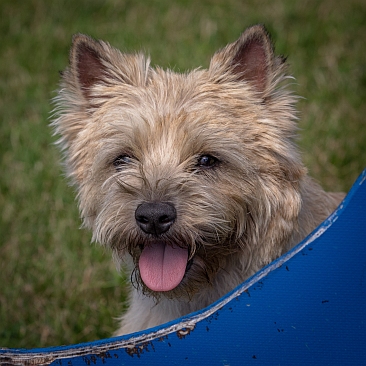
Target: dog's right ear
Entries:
(91, 64)
(88, 65)
(96, 63)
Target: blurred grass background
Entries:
(56, 287)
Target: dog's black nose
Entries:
(155, 217)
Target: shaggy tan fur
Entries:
(213, 150)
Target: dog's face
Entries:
(181, 172)
(165, 183)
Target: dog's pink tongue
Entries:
(162, 266)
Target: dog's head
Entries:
(181, 171)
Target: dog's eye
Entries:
(121, 160)
(207, 161)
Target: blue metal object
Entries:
(307, 307)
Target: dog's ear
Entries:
(95, 63)
(88, 63)
(250, 58)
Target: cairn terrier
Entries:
(193, 180)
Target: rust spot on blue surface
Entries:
(138, 350)
(182, 333)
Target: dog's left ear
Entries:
(250, 58)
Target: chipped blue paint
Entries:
(307, 307)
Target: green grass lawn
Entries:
(56, 287)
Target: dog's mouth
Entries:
(162, 266)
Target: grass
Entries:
(56, 287)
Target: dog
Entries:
(194, 181)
